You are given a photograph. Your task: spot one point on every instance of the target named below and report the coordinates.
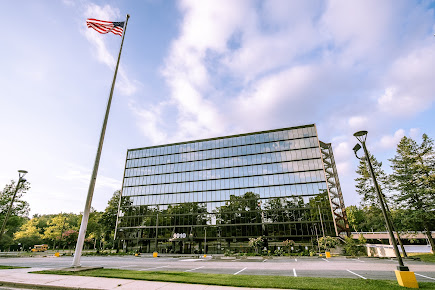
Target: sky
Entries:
(199, 69)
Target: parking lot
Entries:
(340, 267)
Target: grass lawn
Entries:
(424, 257)
(11, 267)
(283, 282)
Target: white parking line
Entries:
(194, 269)
(294, 272)
(325, 260)
(358, 260)
(240, 271)
(190, 260)
(424, 276)
(357, 274)
(154, 268)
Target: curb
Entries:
(40, 286)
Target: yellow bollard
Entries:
(155, 254)
(57, 254)
(406, 279)
(328, 254)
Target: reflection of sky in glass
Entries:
(209, 171)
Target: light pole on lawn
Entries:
(404, 279)
(21, 179)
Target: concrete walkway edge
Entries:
(22, 278)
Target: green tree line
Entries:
(59, 231)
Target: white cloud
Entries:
(105, 12)
(124, 84)
(81, 176)
(237, 67)
(358, 122)
(390, 142)
(343, 156)
(358, 29)
(281, 94)
(148, 120)
(414, 133)
(410, 83)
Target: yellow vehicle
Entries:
(40, 248)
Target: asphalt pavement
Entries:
(339, 267)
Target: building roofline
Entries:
(223, 137)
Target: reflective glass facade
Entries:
(215, 194)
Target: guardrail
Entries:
(386, 236)
(9, 254)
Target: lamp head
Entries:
(355, 150)
(361, 136)
(21, 173)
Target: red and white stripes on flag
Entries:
(104, 27)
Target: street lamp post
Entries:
(361, 136)
(205, 240)
(321, 220)
(21, 179)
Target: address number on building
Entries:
(179, 235)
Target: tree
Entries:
(355, 217)
(414, 181)
(70, 237)
(20, 207)
(355, 247)
(108, 217)
(94, 230)
(365, 187)
(55, 227)
(18, 214)
(373, 219)
(29, 234)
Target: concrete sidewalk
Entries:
(21, 278)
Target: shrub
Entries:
(326, 243)
(355, 247)
(256, 243)
(279, 252)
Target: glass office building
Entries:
(215, 194)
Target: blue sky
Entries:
(199, 69)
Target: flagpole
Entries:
(85, 219)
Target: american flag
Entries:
(104, 27)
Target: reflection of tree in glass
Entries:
(108, 218)
(243, 213)
(283, 210)
(321, 201)
(186, 217)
